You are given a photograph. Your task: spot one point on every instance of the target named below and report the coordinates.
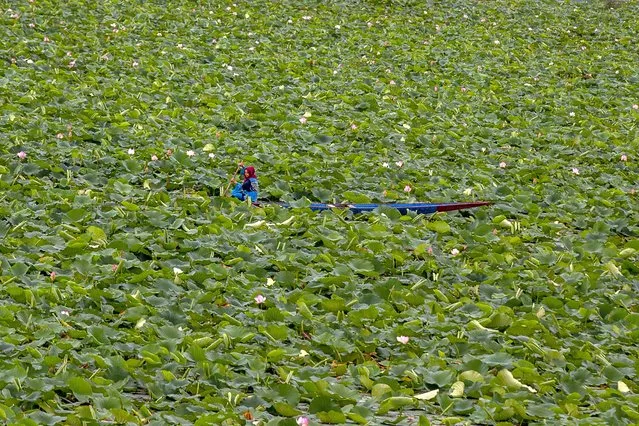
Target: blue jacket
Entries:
(247, 188)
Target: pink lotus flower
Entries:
(392, 82)
(259, 299)
(454, 252)
(46, 39)
(624, 157)
(130, 151)
(635, 106)
(399, 163)
(430, 250)
(22, 155)
(72, 64)
(190, 153)
(502, 164)
(463, 89)
(575, 170)
(115, 267)
(52, 275)
(154, 157)
(353, 127)
(303, 120)
(403, 339)
(302, 421)
(407, 188)
(60, 135)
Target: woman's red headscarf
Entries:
(251, 173)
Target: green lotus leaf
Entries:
(43, 418)
(323, 404)
(394, 403)
(380, 389)
(285, 409)
(331, 417)
(80, 387)
(439, 226)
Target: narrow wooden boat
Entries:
(424, 208)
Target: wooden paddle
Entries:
(239, 166)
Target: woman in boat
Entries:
(249, 187)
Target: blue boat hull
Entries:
(424, 208)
